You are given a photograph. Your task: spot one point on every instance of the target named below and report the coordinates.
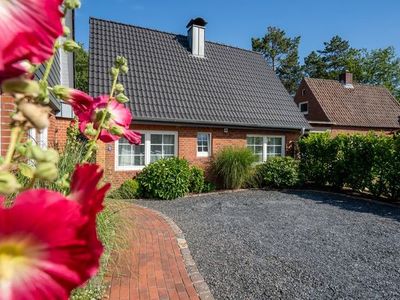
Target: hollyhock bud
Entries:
(47, 171)
(8, 183)
(26, 170)
(37, 153)
(67, 31)
(89, 130)
(37, 115)
(119, 88)
(72, 4)
(120, 61)
(121, 98)
(114, 72)
(124, 69)
(21, 86)
(117, 130)
(70, 46)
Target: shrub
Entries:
(208, 187)
(281, 172)
(165, 179)
(127, 190)
(317, 154)
(233, 166)
(360, 162)
(196, 180)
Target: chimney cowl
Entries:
(346, 78)
(198, 21)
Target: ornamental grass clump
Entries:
(233, 166)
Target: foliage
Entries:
(361, 162)
(196, 180)
(281, 172)
(233, 166)
(165, 179)
(82, 69)
(208, 187)
(127, 190)
(281, 53)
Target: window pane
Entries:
(154, 158)
(169, 150)
(155, 149)
(138, 160)
(169, 139)
(124, 161)
(258, 150)
(274, 141)
(156, 139)
(125, 149)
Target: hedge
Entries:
(362, 162)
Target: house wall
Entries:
(315, 112)
(6, 107)
(187, 146)
(358, 130)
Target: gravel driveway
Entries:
(291, 245)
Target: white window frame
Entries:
(204, 153)
(265, 144)
(147, 145)
(301, 103)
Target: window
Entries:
(65, 111)
(38, 137)
(161, 146)
(264, 147)
(256, 145)
(131, 155)
(203, 144)
(303, 107)
(154, 146)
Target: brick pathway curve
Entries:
(154, 267)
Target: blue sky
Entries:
(365, 23)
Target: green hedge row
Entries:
(361, 162)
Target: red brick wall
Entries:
(315, 112)
(6, 107)
(187, 146)
(357, 130)
(57, 132)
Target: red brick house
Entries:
(343, 106)
(62, 72)
(190, 97)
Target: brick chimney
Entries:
(196, 36)
(346, 78)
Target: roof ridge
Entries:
(170, 33)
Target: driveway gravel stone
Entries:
(290, 245)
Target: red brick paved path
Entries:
(154, 268)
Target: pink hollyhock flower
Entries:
(120, 117)
(28, 30)
(80, 101)
(48, 243)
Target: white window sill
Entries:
(203, 154)
(129, 168)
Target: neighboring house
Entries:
(342, 106)
(190, 97)
(62, 72)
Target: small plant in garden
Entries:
(281, 172)
(208, 187)
(49, 243)
(128, 190)
(165, 179)
(233, 166)
(196, 180)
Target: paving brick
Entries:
(156, 267)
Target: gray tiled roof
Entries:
(165, 83)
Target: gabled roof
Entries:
(165, 83)
(362, 106)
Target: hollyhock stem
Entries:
(15, 137)
(103, 118)
(48, 68)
